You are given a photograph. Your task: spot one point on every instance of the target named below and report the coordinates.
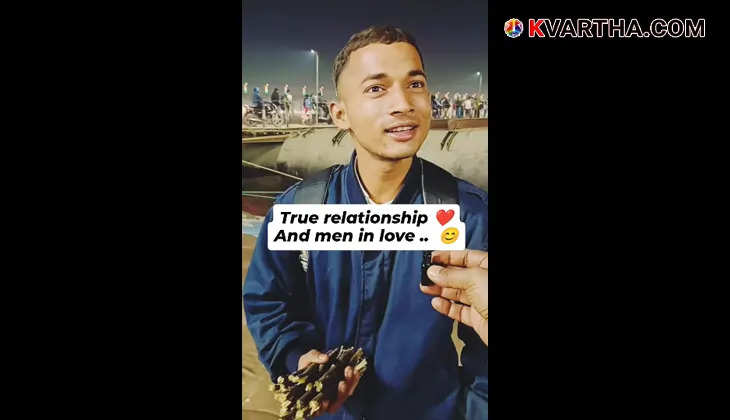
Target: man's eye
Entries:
(418, 84)
(374, 89)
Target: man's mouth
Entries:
(402, 132)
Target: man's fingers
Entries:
(455, 311)
(446, 293)
(455, 294)
(345, 389)
(354, 381)
(316, 357)
(341, 397)
(455, 277)
(341, 392)
(467, 258)
(312, 356)
(432, 290)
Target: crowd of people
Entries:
(460, 105)
(305, 107)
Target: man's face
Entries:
(384, 100)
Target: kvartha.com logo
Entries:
(607, 28)
(513, 28)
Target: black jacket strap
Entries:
(439, 186)
(313, 190)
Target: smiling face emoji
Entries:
(449, 235)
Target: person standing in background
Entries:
(275, 97)
(467, 107)
(306, 109)
(452, 106)
(283, 94)
(321, 104)
(446, 106)
(266, 89)
(287, 100)
(257, 103)
(438, 105)
(304, 96)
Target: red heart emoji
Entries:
(444, 216)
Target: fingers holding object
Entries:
(345, 389)
(312, 356)
(466, 258)
(446, 293)
(452, 281)
(453, 310)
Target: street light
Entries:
(480, 82)
(316, 86)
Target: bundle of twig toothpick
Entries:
(301, 393)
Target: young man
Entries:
(372, 299)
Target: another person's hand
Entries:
(344, 389)
(463, 280)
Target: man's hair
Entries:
(385, 34)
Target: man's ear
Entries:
(339, 115)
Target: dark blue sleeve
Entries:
(475, 354)
(277, 307)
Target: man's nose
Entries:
(401, 101)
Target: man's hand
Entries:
(344, 389)
(464, 280)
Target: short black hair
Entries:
(383, 34)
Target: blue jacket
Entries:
(370, 299)
(257, 102)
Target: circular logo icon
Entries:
(513, 28)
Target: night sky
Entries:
(278, 35)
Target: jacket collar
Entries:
(407, 195)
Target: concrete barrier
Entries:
(461, 151)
